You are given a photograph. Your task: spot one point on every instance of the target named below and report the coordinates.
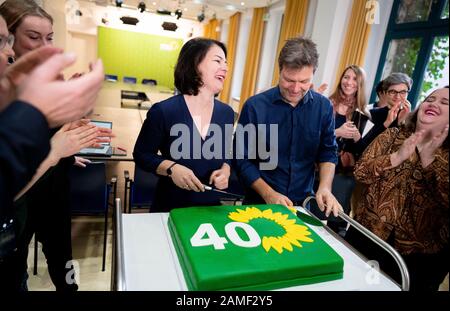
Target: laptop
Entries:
(105, 150)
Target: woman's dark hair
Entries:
(188, 79)
(412, 119)
(393, 79)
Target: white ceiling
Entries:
(222, 9)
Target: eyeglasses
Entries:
(394, 92)
(6, 40)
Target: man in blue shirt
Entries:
(295, 125)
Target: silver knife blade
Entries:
(209, 188)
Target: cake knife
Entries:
(209, 188)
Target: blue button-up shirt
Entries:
(304, 136)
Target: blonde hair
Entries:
(361, 102)
(14, 12)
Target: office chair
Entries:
(149, 82)
(111, 78)
(89, 194)
(140, 191)
(129, 80)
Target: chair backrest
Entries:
(88, 189)
(143, 188)
(131, 80)
(111, 78)
(149, 82)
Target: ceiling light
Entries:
(129, 20)
(178, 13)
(201, 17)
(169, 26)
(242, 3)
(142, 6)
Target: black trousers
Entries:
(426, 271)
(45, 211)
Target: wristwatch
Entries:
(169, 169)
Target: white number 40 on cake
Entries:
(206, 235)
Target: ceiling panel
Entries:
(221, 9)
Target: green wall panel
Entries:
(126, 53)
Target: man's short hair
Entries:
(187, 76)
(298, 53)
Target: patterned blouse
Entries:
(408, 201)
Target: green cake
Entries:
(255, 247)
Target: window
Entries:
(413, 11)
(417, 44)
(445, 12)
(436, 73)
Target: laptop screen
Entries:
(105, 148)
(105, 124)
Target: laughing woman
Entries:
(406, 200)
(194, 121)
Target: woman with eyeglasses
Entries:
(391, 109)
(393, 106)
(406, 200)
(6, 44)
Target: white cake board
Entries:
(151, 262)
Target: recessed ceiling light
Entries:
(242, 3)
(185, 9)
(230, 7)
(154, 3)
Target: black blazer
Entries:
(24, 144)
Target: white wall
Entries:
(224, 30)
(329, 29)
(376, 39)
(56, 9)
(312, 7)
(81, 44)
(241, 53)
(269, 46)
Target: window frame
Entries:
(427, 31)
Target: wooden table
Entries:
(126, 126)
(110, 94)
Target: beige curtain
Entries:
(253, 55)
(356, 40)
(212, 29)
(293, 25)
(233, 34)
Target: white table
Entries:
(150, 262)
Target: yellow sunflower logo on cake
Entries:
(295, 233)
